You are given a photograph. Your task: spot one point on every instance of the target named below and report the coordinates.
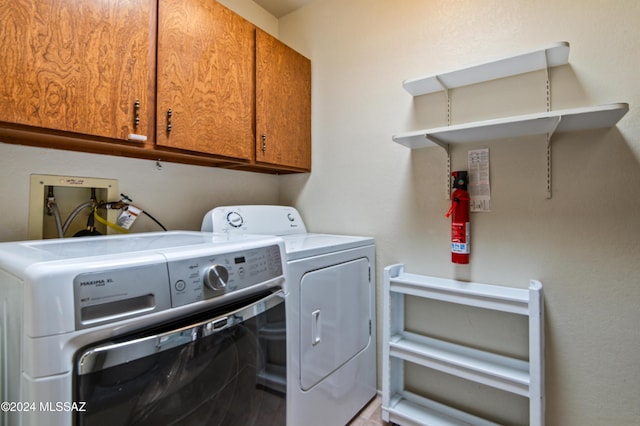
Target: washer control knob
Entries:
(216, 277)
(235, 219)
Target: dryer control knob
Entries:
(235, 219)
(216, 277)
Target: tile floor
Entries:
(371, 415)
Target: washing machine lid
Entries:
(72, 252)
(299, 246)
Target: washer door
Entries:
(227, 369)
(335, 318)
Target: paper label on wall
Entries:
(479, 186)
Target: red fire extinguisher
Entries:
(459, 212)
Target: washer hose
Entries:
(53, 207)
(73, 215)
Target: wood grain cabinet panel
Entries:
(206, 90)
(83, 75)
(283, 104)
(75, 65)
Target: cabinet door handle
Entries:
(169, 115)
(264, 143)
(136, 111)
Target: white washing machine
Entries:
(174, 327)
(330, 311)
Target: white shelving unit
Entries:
(524, 378)
(548, 122)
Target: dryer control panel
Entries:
(268, 220)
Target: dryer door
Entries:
(335, 316)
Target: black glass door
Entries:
(226, 370)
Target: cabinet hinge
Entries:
(169, 120)
(136, 113)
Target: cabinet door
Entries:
(206, 90)
(283, 104)
(75, 65)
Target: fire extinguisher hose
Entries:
(454, 203)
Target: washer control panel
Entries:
(200, 278)
(106, 296)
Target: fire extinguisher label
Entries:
(460, 233)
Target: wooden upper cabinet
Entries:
(75, 65)
(80, 74)
(283, 104)
(206, 90)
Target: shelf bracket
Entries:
(550, 134)
(549, 137)
(447, 149)
(546, 60)
(548, 166)
(446, 92)
(444, 86)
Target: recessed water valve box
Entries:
(69, 193)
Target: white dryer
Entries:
(330, 311)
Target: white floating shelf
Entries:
(522, 125)
(547, 57)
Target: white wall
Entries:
(583, 244)
(177, 195)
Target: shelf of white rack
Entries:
(409, 408)
(524, 378)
